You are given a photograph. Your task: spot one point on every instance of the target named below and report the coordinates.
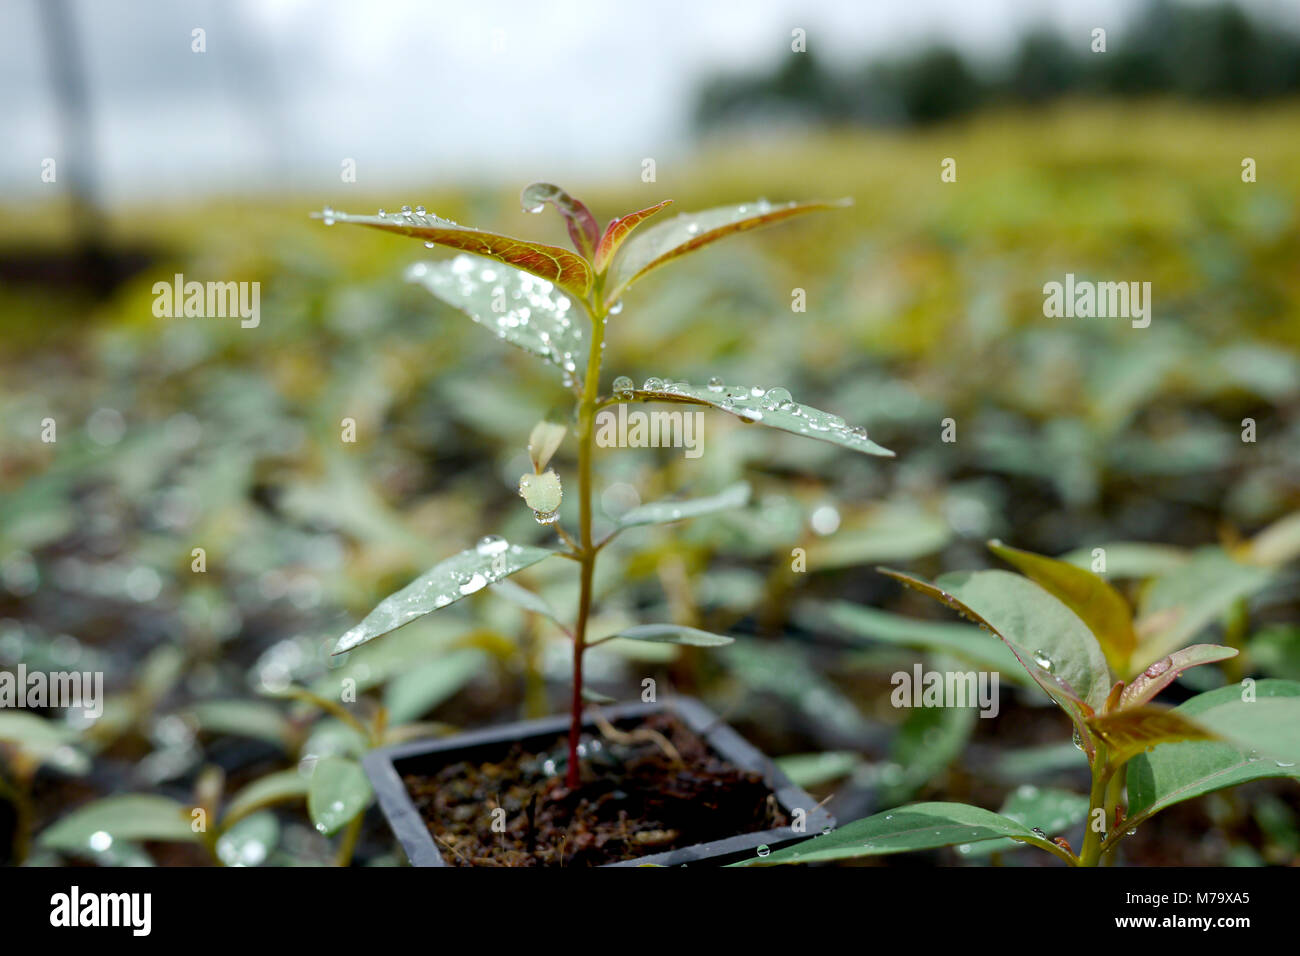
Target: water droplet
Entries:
(100, 840)
(653, 385)
(535, 209)
(692, 228)
(546, 517)
(429, 244)
(715, 384)
(382, 214)
(475, 583)
(1040, 834)
(1159, 667)
(1042, 660)
(491, 544)
(623, 387)
(1285, 764)
(327, 214)
(776, 397)
(616, 308)
(419, 210)
(764, 850)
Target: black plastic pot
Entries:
(385, 768)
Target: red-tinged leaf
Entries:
(661, 243)
(566, 269)
(617, 232)
(1135, 730)
(583, 228)
(1164, 671)
(1088, 595)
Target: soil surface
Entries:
(635, 800)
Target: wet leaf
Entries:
(1134, 730)
(135, 816)
(673, 634)
(583, 229)
(566, 269)
(1163, 672)
(919, 826)
(1180, 771)
(337, 792)
(521, 309)
(445, 583)
(772, 407)
(656, 245)
(282, 786)
(1050, 642)
(662, 512)
(1042, 808)
(250, 841)
(618, 230)
(1088, 595)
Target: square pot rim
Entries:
(418, 844)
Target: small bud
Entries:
(543, 442)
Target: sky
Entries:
(426, 90)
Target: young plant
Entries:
(1073, 634)
(555, 304)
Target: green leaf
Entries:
(445, 583)
(1042, 808)
(1050, 642)
(250, 841)
(772, 407)
(1277, 544)
(1135, 730)
(337, 792)
(892, 532)
(965, 641)
(527, 312)
(1270, 728)
(927, 742)
(1164, 671)
(136, 816)
(1088, 595)
(1131, 559)
(662, 512)
(566, 269)
(279, 787)
(543, 441)
(653, 247)
(583, 230)
(1193, 596)
(672, 634)
(919, 826)
(526, 599)
(242, 718)
(417, 691)
(44, 741)
(811, 770)
(1176, 772)
(618, 230)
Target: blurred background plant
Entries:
(923, 304)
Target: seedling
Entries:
(1075, 636)
(555, 303)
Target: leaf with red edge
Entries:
(665, 241)
(583, 228)
(1164, 671)
(617, 232)
(1136, 730)
(566, 269)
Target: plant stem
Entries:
(586, 549)
(1091, 850)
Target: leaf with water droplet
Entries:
(672, 634)
(656, 245)
(525, 311)
(1045, 809)
(747, 405)
(1088, 595)
(918, 826)
(662, 512)
(618, 230)
(1131, 731)
(283, 786)
(337, 792)
(1175, 772)
(568, 270)
(1163, 672)
(583, 228)
(250, 841)
(132, 816)
(443, 584)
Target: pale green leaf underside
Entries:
(756, 405)
(662, 512)
(919, 826)
(1175, 772)
(136, 816)
(656, 245)
(522, 309)
(673, 634)
(445, 583)
(337, 792)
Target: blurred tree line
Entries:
(1197, 52)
